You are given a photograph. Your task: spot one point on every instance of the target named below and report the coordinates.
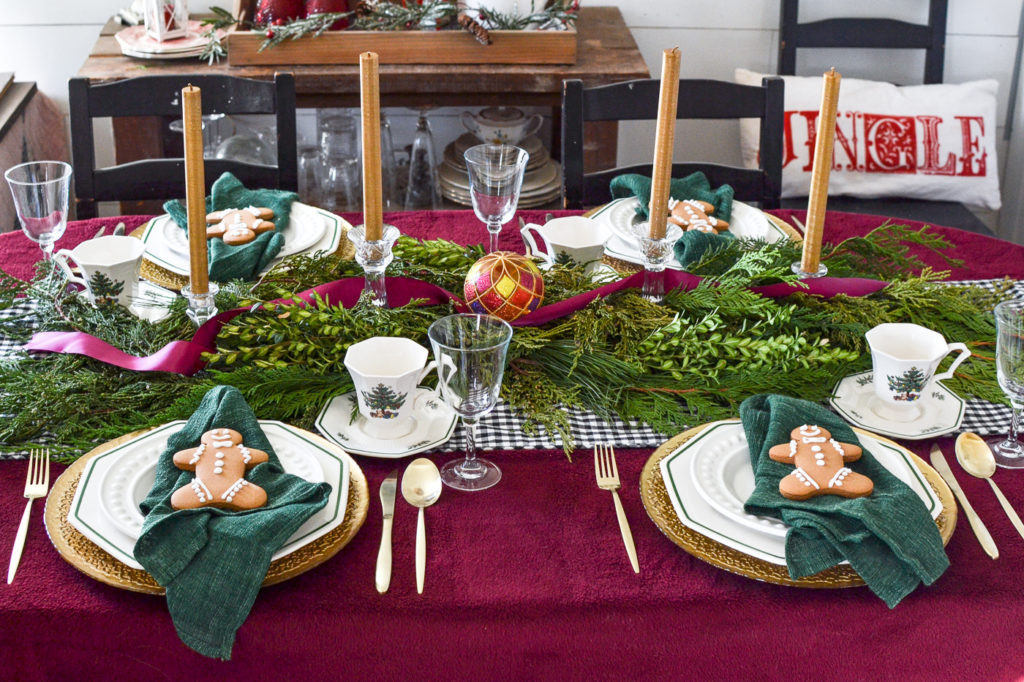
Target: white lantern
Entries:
(166, 19)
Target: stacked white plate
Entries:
(542, 183)
(135, 42)
(709, 478)
(746, 222)
(309, 230)
(106, 504)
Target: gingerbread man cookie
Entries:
(819, 460)
(220, 463)
(692, 214)
(239, 225)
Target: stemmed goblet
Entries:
(1009, 452)
(40, 190)
(470, 351)
(495, 178)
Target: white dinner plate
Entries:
(135, 42)
(132, 472)
(89, 511)
(746, 221)
(191, 54)
(299, 234)
(160, 253)
(740, 531)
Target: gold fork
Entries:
(36, 483)
(608, 479)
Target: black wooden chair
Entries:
(698, 99)
(878, 33)
(161, 96)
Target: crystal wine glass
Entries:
(1009, 452)
(470, 351)
(40, 190)
(495, 178)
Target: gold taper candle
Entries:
(369, 100)
(664, 142)
(815, 223)
(195, 188)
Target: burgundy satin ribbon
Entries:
(185, 357)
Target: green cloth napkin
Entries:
(694, 186)
(245, 261)
(211, 561)
(694, 244)
(888, 536)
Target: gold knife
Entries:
(984, 537)
(387, 501)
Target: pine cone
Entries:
(363, 9)
(473, 26)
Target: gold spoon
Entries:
(421, 486)
(976, 459)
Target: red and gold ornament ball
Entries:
(504, 284)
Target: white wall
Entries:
(47, 42)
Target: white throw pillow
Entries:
(919, 141)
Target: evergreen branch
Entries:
(214, 48)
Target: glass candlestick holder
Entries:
(374, 256)
(656, 254)
(798, 270)
(201, 307)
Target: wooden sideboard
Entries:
(606, 53)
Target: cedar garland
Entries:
(688, 361)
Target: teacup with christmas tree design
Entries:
(904, 358)
(108, 268)
(385, 372)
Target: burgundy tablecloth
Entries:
(530, 580)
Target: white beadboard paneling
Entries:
(970, 58)
(983, 17)
(915, 11)
(65, 12)
(48, 55)
(974, 17)
(724, 14)
(702, 52)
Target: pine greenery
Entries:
(693, 359)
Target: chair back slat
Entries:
(698, 99)
(160, 96)
(868, 32)
(162, 178)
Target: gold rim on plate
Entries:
(88, 558)
(659, 507)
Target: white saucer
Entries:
(435, 423)
(938, 411)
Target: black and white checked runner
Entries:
(502, 429)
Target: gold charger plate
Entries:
(88, 558)
(659, 507)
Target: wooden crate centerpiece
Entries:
(414, 46)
